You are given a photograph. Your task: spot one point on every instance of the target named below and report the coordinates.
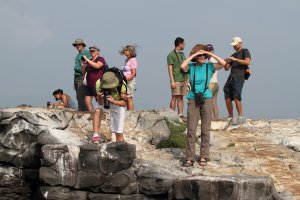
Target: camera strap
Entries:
(178, 57)
(194, 82)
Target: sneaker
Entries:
(95, 140)
(240, 120)
(232, 121)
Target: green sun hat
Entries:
(109, 80)
(78, 41)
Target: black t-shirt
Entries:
(237, 69)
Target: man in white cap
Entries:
(238, 62)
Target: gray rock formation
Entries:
(45, 154)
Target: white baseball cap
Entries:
(235, 41)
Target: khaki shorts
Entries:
(181, 89)
(131, 87)
(214, 88)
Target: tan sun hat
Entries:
(78, 41)
(94, 48)
(109, 80)
(196, 48)
(236, 40)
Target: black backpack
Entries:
(247, 71)
(120, 75)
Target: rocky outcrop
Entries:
(45, 154)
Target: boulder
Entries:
(155, 181)
(224, 188)
(12, 184)
(115, 157)
(119, 182)
(59, 165)
(61, 193)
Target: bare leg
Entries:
(229, 107)
(97, 120)
(88, 103)
(239, 107)
(130, 105)
(180, 104)
(215, 108)
(119, 137)
(173, 102)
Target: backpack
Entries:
(247, 71)
(120, 75)
(105, 68)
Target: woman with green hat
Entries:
(110, 89)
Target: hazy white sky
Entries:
(37, 56)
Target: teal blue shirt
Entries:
(200, 77)
(78, 68)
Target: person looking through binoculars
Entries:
(199, 100)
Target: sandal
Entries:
(188, 163)
(203, 162)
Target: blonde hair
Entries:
(130, 48)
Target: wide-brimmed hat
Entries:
(210, 47)
(236, 40)
(109, 80)
(78, 41)
(198, 47)
(94, 48)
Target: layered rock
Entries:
(45, 154)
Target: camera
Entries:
(106, 93)
(199, 99)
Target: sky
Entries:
(37, 56)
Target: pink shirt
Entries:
(128, 66)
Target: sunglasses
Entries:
(202, 55)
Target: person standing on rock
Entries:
(112, 96)
(213, 85)
(178, 78)
(79, 75)
(199, 100)
(129, 70)
(93, 69)
(238, 63)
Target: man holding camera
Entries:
(178, 78)
(112, 95)
(78, 75)
(238, 62)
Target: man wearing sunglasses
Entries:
(238, 63)
(78, 75)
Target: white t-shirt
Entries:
(214, 78)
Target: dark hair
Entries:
(178, 41)
(58, 91)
